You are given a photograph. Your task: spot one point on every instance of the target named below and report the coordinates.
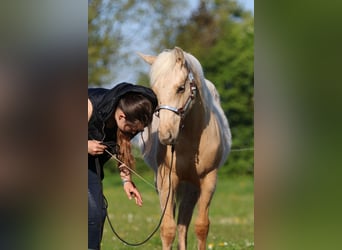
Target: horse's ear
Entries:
(179, 56)
(147, 58)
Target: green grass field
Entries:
(231, 215)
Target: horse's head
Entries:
(173, 82)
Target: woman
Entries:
(115, 116)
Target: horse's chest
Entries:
(190, 164)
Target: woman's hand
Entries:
(95, 147)
(132, 191)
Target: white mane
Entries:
(212, 102)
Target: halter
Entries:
(182, 110)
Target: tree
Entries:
(118, 28)
(102, 43)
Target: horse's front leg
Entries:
(208, 184)
(188, 194)
(167, 196)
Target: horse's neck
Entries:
(197, 118)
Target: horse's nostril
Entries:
(166, 138)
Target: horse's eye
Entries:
(181, 89)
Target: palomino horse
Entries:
(190, 122)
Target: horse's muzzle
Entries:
(167, 138)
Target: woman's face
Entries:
(127, 127)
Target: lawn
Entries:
(231, 215)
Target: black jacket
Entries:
(104, 103)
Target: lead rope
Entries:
(163, 213)
(130, 169)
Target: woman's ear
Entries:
(122, 116)
(119, 114)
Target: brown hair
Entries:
(137, 109)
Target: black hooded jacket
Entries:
(104, 103)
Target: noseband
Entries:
(182, 110)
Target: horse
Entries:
(191, 132)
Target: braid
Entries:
(125, 154)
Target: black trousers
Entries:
(96, 210)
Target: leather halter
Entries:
(182, 110)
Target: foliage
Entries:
(118, 27)
(102, 43)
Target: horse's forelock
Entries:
(166, 61)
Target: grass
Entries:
(231, 215)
